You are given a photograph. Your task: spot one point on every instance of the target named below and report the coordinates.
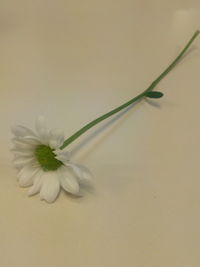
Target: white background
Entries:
(73, 61)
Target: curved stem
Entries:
(141, 95)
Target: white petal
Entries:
(40, 123)
(21, 162)
(68, 181)
(26, 140)
(50, 186)
(44, 136)
(22, 146)
(19, 153)
(42, 130)
(64, 156)
(37, 184)
(26, 175)
(82, 172)
(54, 143)
(57, 134)
(30, 140)
(21, 131)
(58, 151)
(56, 138)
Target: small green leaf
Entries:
(154, 94)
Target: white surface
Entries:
(73, 61)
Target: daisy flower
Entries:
(41, 160)
(42, 165)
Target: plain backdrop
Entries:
(72, 61)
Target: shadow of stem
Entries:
(100, 129)
(116, 117)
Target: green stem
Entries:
(140, 96)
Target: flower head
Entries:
(42, 165)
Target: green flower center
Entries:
(45, 156)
